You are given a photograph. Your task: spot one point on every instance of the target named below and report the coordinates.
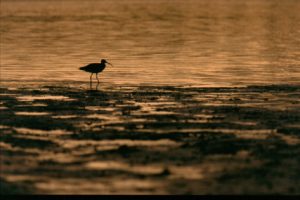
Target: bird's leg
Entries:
(91, 81)
(97, 77)
(91, 77)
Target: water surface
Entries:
(193, 42)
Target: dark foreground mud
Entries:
(150, 140)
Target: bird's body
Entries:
(95, 68)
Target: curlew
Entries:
(95, 68)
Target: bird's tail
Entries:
(81, 68)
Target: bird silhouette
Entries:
(95, 68)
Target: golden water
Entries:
(193, 42)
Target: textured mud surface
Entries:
(150, 140)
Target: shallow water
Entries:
(159, 122)
(194, 42)
(150, 140)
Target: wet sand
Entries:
(150, 140)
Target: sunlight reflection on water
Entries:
(208, 43)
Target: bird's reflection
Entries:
(91, 86)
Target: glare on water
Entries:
(194, 42)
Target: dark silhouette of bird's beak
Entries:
(109, 63)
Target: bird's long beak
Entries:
(109, 64)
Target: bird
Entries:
(95, 68)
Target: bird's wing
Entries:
(89, 66)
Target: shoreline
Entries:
(85, 84)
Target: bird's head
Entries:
(104, 61)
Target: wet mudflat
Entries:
(150, 140)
